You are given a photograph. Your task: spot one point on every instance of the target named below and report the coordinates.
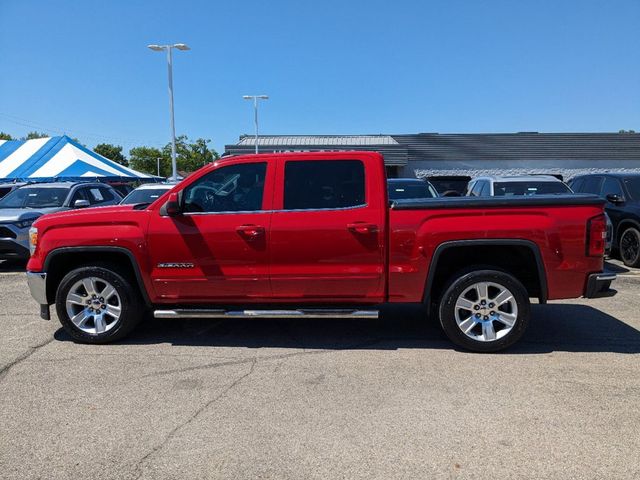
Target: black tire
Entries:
(130, 303)
(629, 247)
(504, 336)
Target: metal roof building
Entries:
(427, 154)
(395, 154)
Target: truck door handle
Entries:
(250, 232)
(362, 227)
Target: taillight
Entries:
(596, 236)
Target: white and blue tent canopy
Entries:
(59, 158)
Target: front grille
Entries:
(6, 233)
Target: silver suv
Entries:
(20, 208)
(512, 186)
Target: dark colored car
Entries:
(622, 193)
(408, 188)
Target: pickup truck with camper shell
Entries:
(313, 234)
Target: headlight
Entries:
(25, 223)
(33, 239)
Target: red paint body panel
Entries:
(559, 233)
(362, 255)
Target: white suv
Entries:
(512, 186)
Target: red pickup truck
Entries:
(314, 235)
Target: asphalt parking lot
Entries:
(322, 399)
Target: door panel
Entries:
(320, 253)
(217, 251)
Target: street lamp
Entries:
(169, 48)
(255, 99)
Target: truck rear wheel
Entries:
(484, 310)
(96, 304)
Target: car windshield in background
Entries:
(147, 195)
(34, 197)
(633, 185)
(403, 191)
(505, 189)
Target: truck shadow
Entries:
(616, 267)
(558, 327)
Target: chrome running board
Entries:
(298, 313)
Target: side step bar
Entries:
(299, 313)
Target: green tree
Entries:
(34, 134)
(145, 159)
(5, 136)
(190, 156)
(112, 152)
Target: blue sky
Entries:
(330, 67)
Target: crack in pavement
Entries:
(194, 416)
(5, 370)
(266, 358)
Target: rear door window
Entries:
(323, 184)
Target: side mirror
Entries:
(615, 199)
(172, 206)
(81, 203)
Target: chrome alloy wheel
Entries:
(486, 311)
(93, 305)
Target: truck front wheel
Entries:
(484, 310)
(96, 304)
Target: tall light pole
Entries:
(169, 48)
(255, 99)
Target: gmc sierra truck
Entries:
(314, 235)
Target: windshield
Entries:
(35, 197)
(633, 186)
(146, 195)
(502, 189)
(408, 190)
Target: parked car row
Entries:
(22, 203)
(622, 193)
(607, 186)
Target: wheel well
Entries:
(62, 263)
(623, 225)
(518, 260)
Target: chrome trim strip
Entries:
(37, 282)
(226, 212)
(299, 313)
(605, 277)
(365, 205)
(340, 209)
